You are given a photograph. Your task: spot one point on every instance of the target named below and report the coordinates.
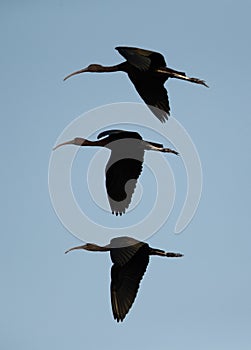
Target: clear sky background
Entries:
(52, 301)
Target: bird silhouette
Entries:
(148, 72)
(125, 164)
(130, 258)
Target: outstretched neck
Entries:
(96, 248)
(91, 143)
(98, 68)
(90, 247)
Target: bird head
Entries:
(88, 246)
(91, 68)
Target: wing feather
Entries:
(152, 91)
(122, 171)
(148, 83)
(123, 249)
(142, 59)
(125, 281)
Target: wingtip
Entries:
(119, 318)
(164, 120)
(120, 49)
(118, 213)
(202, 82)
(160, 113)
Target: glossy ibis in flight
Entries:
(130, 258)
(148, 72)
(125, 164)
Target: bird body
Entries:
(124, 165)
(148, 72)
(130, 258)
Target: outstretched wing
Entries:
(125, 281)
(148, 84)
(122, 171)
(121, 180)
(142, 59)
(123, 249)
(152, 91)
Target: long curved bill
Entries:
(75, 73)
(74, 248)
(72, 142)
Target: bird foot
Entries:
(174, 255)
(169, 150)
(198, 81)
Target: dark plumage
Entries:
(148, 72)
(124, 165)
(130, 258)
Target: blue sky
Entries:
(53, 301)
